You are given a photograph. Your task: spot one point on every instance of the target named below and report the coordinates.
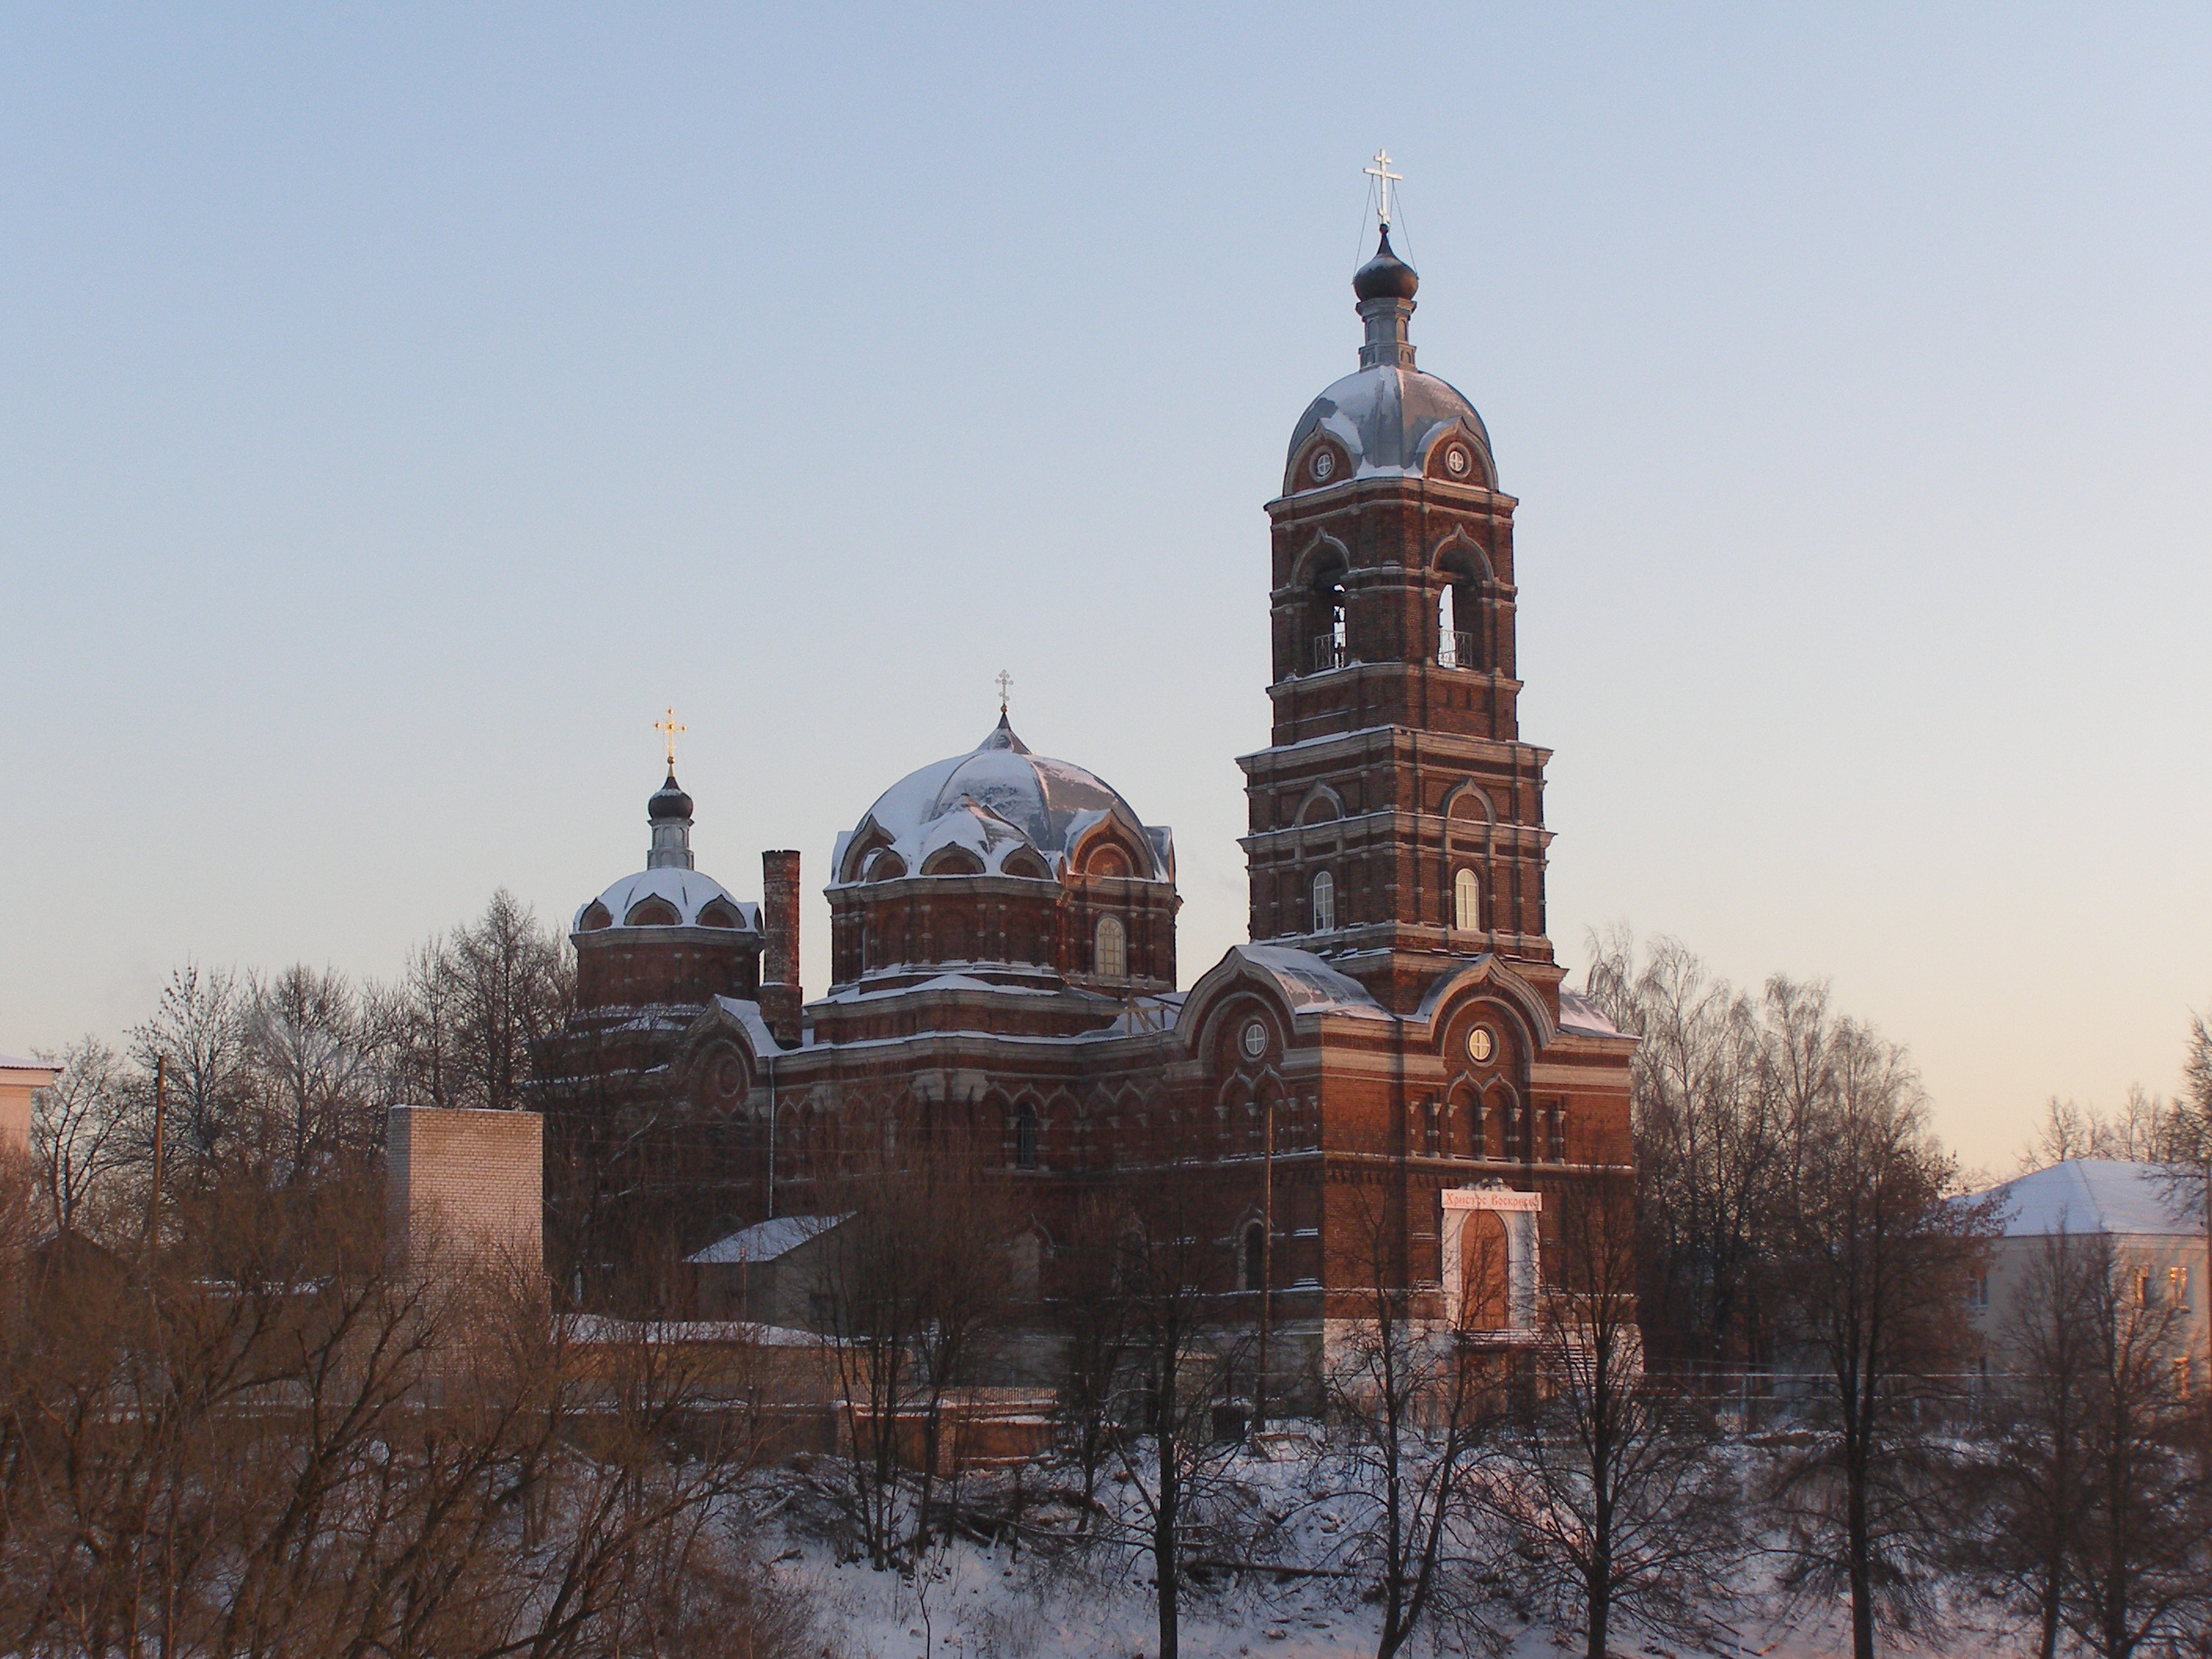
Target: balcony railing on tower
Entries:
(1455, 649)
(1328, 652)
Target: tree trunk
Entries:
(1857, 1547)
(1163, 1549)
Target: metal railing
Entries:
(1455, 649)
(1328, 652)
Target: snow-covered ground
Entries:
(978, 1601)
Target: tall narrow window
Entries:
(1324, 903)
(1466, 901)
(1110, 959)
(1255, 1257)
(1025, 1137)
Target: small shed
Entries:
(770, 1274)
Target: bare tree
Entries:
(272, 1440)
(913, 1304)
(1092, 1307)
(1877, 1258)
(198, 1029)
(1419, 1406)
(79, 1129)
(1170, 1269)
(474, 1003)
(317, 1055)
(1613, 1489)
(1709, 1148)
(2030, 1495)
(2142, 1570)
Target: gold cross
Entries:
(1384, 179)
(668, 728)
(1004, 680)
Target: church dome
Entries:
(668, 892)
(668, 802)
(671, 896)
(1010, 812)
(1388, 419)
(1385, 277)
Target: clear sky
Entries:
(400, 406)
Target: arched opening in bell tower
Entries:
(1325, 610)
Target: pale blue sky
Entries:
(402, 405)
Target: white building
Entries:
(2156, 1227)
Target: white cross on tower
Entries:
(1005, 681)
(1384, 179)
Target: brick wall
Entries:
(469, 1181)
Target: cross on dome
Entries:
(1384, 178)
(669, 729)
(1004, 680)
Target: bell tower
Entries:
(1396, 817)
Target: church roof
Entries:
(765, 1240)
(687, 890)
(1387, 418)
(1578, 1013)
(997, 798)
(2096, 1195)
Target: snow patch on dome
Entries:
(994, 800)
(686, 891)
(1387, 418)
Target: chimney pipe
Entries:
(780, 995)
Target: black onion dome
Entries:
(1385, 277)
(668, 801)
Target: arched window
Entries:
(1255, 1257)
(1109, 959)
(1454, 638)
(1324, 902)
(1466, 901)
(1025, 1137)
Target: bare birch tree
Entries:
(1419, 1408)
(1613, 1489)
(1877, 1257)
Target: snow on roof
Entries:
(1010, 797)
(9, 1063)
(1387, 417)
(600, 1327)
(689, 891)
(2096, 1195)
(765, 1240)
(1578, 1013)
(1310, 985)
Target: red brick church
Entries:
(1003, 934)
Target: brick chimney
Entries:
(780, 992)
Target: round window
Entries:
(1457, 461)
(1322, 466)
(1481, 1044)
(1255, 1039)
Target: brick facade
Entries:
(472, 1182)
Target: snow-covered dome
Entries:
(1012, 812)
(668, 892)
(1388, 416)
(690, 899)
(1388, 419)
